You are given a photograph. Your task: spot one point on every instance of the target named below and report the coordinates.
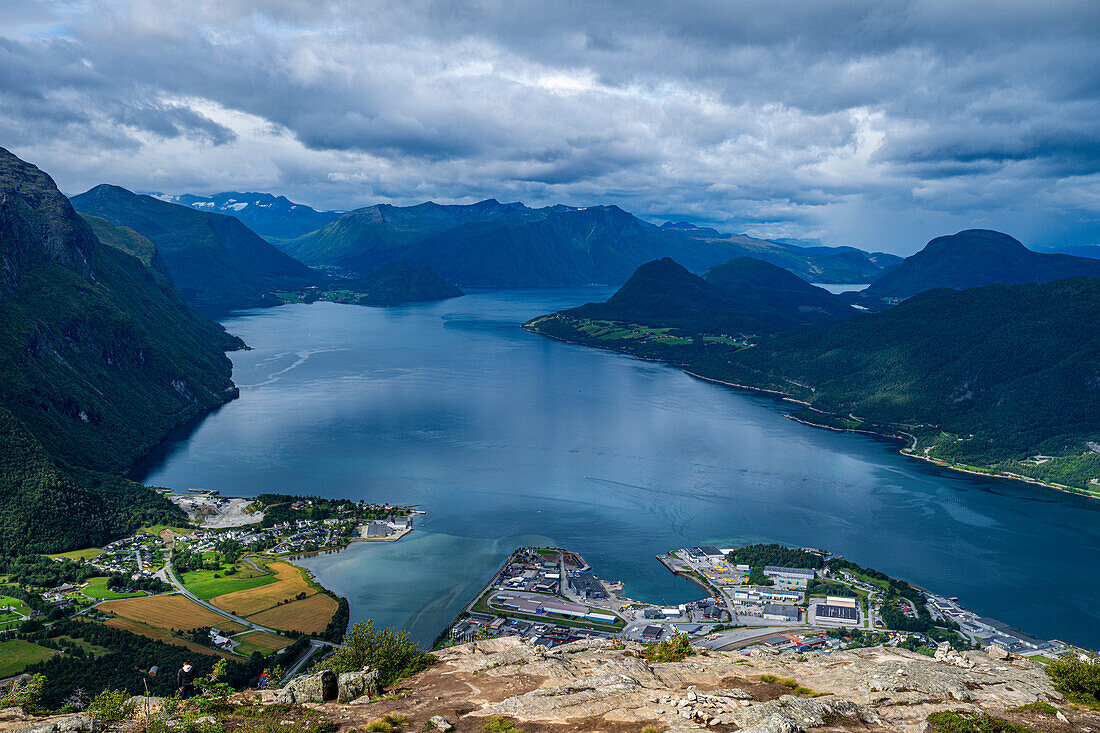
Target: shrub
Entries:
(1043, 708)
(111, 706)
(391, 652)
(497, 724)
(1075, 677)
(379, 726)
(950, 721)
(27, 695)
(673, 649)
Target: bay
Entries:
(508, 438)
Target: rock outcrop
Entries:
(596, 686)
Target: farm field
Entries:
(289, 583)
(18, 653)
(97, 588)
(157, 634)
(260, 641)
(204, 585)
(309, 615)
(174, 613)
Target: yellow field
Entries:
(309, 615)
(264, 640)
(168, 612)
(162, 635)
(290, 582)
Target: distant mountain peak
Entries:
(976, 257)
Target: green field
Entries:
(97, 588)
(17, 654)
(86, 554)
(88, 647)
(204, 585)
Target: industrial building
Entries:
(795, 577)
(837, 611)
(587, 586)
(777, 612)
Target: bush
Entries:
(1076, 677)
(497, 724)
(391, 652)
(1043, 708)
(673, 649)
(27, 695)
(111, 706)
(949, 721)
(379, 726)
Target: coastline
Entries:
(907, 439)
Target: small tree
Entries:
(393, 653)
(111, 706)
(214, 691)
(26, 695)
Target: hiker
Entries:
(184, 679)
(263, 680)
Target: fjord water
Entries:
(507, 438)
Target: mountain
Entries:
(99, 358)
(666, 313)
(490, 244)
(215, 261)
(272, 217)
(973, 258)
(743, 296)
(389, 285)
(986, 376)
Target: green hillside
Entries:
(99, 358)
(215, 261)
(1001, 378)
(973, 258)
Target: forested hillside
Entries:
(215, 261)
(1001, 377)
(99, 358)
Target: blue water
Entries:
(508, 438)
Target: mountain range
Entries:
(984, 376)
(99, 358)
(272, 217)
(496, 245)
(215, 261)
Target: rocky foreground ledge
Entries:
(595, 686)
(592, 686)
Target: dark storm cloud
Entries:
(821, 119)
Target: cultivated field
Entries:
(204, 585)
(289, 583)
(164, 635)
(168, 612)
(260, 641)
(309, 615)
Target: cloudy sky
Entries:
(873, 123)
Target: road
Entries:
(170, 576)
(735, 638)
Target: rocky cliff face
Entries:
(590, 686)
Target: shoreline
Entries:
(783, 396)
(909, 441)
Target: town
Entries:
(223, 584)
(817, 602)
